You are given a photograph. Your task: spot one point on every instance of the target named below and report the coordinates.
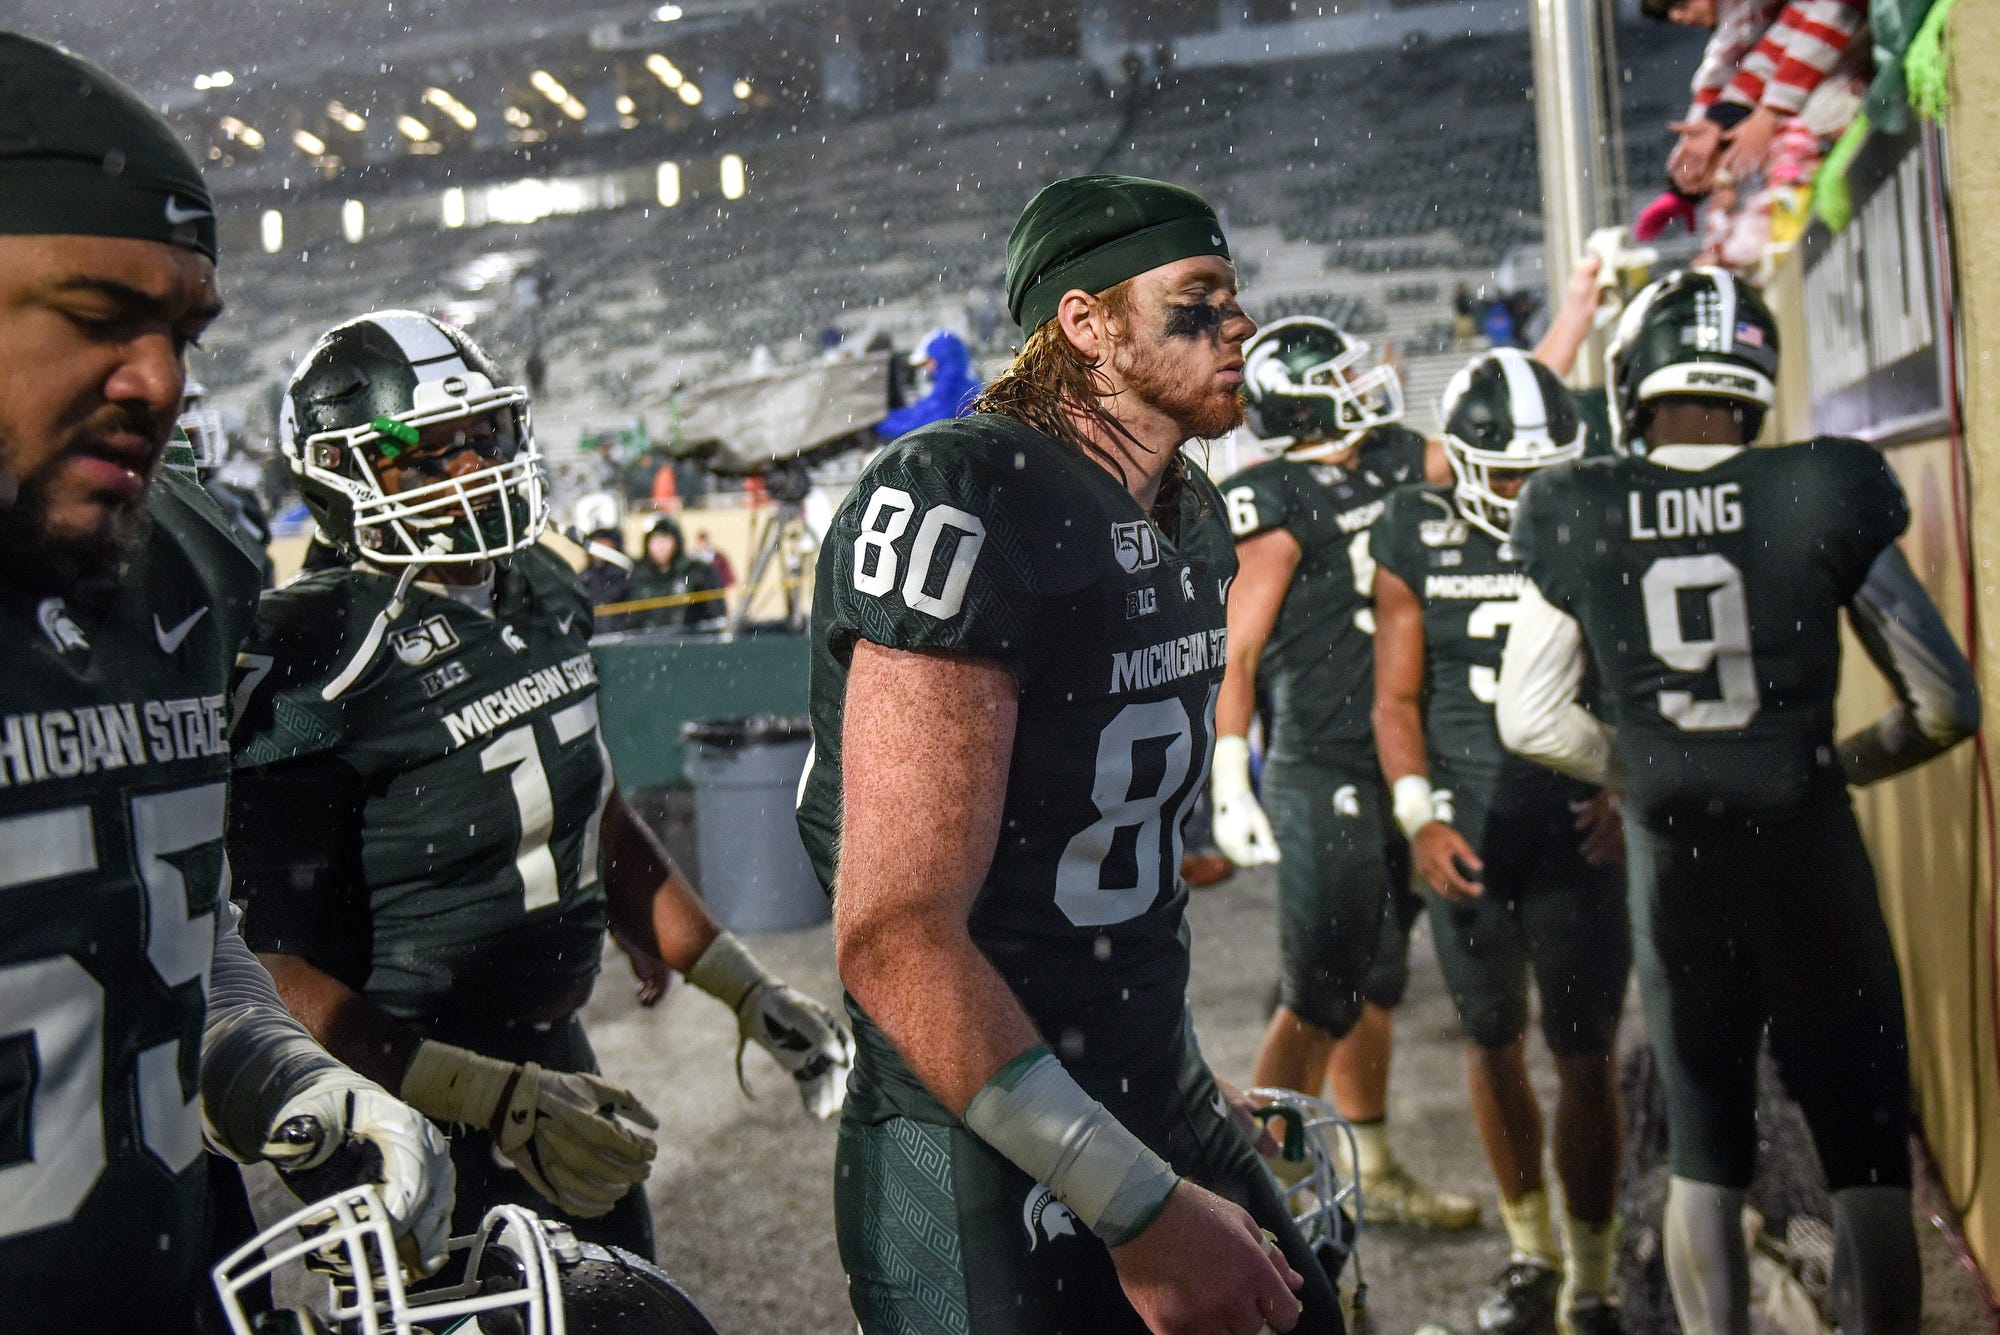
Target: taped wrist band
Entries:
(1036, 1114)
(727, 971)
(1229, 771)
(1413, 805)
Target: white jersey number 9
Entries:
(1727, 644)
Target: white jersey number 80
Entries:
(875, 564)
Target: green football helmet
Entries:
(1697, 333)
(1504, 412)
(1301, 378)
(363, 397)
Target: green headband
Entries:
(1091, 233)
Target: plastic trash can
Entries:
(745, 773)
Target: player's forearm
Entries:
(1541, 671)
(1399, 737)
(351, 1027)
(651, 904)
(937, 997)
(1236, 702)
(254, 1054)
(926, 743)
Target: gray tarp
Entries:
(744, 423)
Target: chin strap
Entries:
(371, 643)
(1320, 451)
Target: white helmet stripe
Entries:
(1525, 401)
(1725, 299)
(430, 354)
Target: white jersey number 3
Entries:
(876, 566)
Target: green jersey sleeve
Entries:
(294, 648)
(927, 554)
(1541, 533)
(1392, 538)
(1255, 501)
(1876, 510)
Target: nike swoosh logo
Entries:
(176, 215)
(1214, 240)
(170, 640)
(563, 622)
(1221, 1105)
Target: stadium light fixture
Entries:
(460, 114)
(353, 220)
(309, 143)
(667, 182)
(667, 13)
(549, 86)
(219, 79)
(413, 129)
(742, 90)
(573, 109)
(626, 106)
(338, 113)
(517, 118)
(664, 70)
(451, 209)
(247, 135)
(271, 229)
(689, 94)
(732, 176)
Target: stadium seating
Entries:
(1345, 198)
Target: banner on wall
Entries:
(1874, 321)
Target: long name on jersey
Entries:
(1710, 600)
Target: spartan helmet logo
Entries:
(1045, 1217)
(60, 628)
(1346, 800)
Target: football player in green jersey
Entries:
(1706, 580)
(441, 918)
(1300, 633)
(139, 1024)
(1018, 639)
(1520, 860)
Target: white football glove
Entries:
(801, 1035)
(1238, 824)
(337, 1107)
(562, 1130)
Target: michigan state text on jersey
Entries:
(475, 782)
